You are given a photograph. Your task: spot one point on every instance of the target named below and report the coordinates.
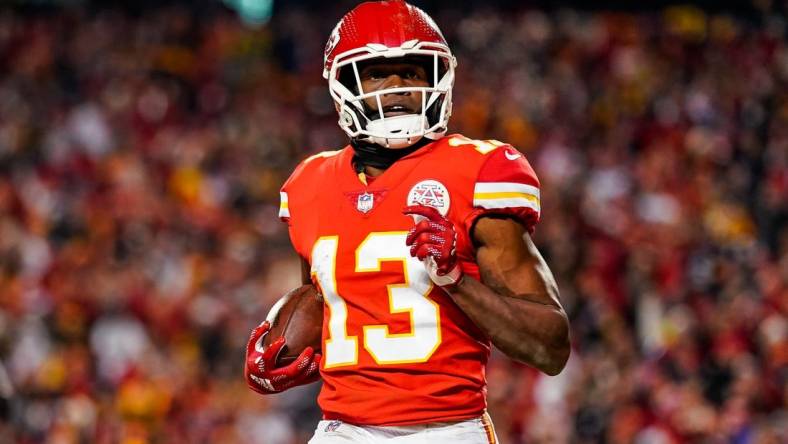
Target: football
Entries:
(298, 317)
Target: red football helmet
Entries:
(389, 29)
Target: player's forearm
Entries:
(531, 332)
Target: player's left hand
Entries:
(264, 377)
(433, 240)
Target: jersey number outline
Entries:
(410, 296)
(482, 146)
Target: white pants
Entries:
(472, 431)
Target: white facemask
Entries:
(403, 130)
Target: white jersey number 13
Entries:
(410, 296)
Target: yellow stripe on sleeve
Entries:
(505, 195)
(284, 210)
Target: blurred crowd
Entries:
(141, 156)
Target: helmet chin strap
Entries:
(410, 126)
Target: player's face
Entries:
(383, 75)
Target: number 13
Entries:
(407, 297)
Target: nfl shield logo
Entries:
(365, 202)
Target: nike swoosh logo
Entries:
(512, 156)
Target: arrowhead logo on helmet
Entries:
(333, 41)
(389, 30)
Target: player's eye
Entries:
(374, 74)
(414, 74)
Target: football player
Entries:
(420, 243)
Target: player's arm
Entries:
(516, 303)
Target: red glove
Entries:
(433, 240)
(261, 373)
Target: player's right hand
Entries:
(433, 240)
(261, 373)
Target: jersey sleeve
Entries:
(292, 194)
(284, 208)
(284, 211)
(300, 183)
(506, 185)
(293, 185)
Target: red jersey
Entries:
(396, 348)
